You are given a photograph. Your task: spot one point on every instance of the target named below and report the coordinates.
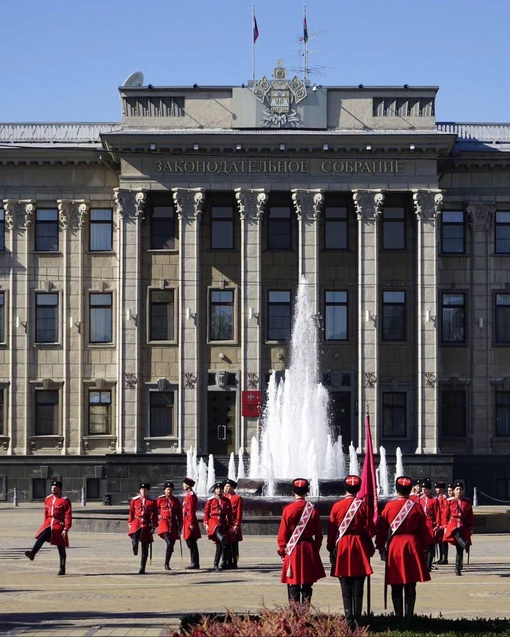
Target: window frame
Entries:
(215, 337)
(386, 307)
(276, 222)
(107, 430)
(390, 434)
(499, 310)
(151, 395)
(222, 223)
(445, 307)
(91, 307)
(154, 319)
(450, 225)
(162, 228)
(453, 413)
(343, 306)
(388, 228)
(41, 237)
(38, 339)
(271, 305)
(336, 217)
(56, 412)
(499, 225)
(498, 407)
(95, 225)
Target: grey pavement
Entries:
(103, 595)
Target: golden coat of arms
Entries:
(280, 96)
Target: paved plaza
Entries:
(103, 595)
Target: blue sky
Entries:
(63, 60)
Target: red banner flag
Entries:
(255, 29)
(368, 491)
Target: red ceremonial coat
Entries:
(57, 516)
(236, 502)
(190, 528)
(170, 516)
(441, 505)
(217, 513)
(431, 509)
(458, 514)
(355, 548)
(143, 514)
(304, 562)
(405, 552)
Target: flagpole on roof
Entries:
(305, 43)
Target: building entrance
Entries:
(221, 422)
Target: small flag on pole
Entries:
(255, 29)
(368, 491)
(305, 29)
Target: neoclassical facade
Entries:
(148, 270)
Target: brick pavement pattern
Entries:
(103, 595)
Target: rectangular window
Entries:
(162, 228)
(100, 318)
(101, 230)
(453, 318)
(46, 230)
(2, 413)
(2, 230)
(502, 413)
(100, 412)
(335, 324)
(393, 229)
(394, 316)
(453, 413)
(46, 413)
(503, 319)
(279, 229)
(222, 228)
(46, 317)
(452, 232)
(2, 317)
(335, 228)
(394, 414)
(162, 315)
(502, 233)
(279, 315)
(221, 315)
(161, 414)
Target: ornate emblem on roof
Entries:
(280, 96)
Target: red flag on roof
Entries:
(255, 29)
(368, 491)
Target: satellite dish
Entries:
(135, 79)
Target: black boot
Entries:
(35, 549)
(347, 596)
(396, 598)
(359, 583)
(306, 594)
(194, 556)
(458, 564)
(145, 556)
(294, 593)
(217, 557)
(168, 555)
(134, 542)
(62, 555)
(410, 599)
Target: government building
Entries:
(148, 270)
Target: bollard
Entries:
(475, 497)
(15, 497)
(83, 499)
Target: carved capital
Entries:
(481, 216)
(130, 203)
(19, 214)
(430, 380)
(370, 380)
(253, 380)
(190, 380)
(251, 203)
(308, 203)
(368, 204)
(427, 204)
(131, 381)
(189, 202)
(9, 212)
(63, 206)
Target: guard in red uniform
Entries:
(217, 523)
(440, 488)
(403, 538)
(170, 520)
(416, 491)
(236, 532)
(58, 519)
(459, 522)
(299, 543)
(142, 521)
(431, 509)
(190, 529)
(350, 533)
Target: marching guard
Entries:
(433, 516)
(236, 532)
(170, 520)
(459, 522)
(217, 523)
(58, 519)
(142, 521)
(350, 533)
(190, 529)
(299, 543)
(402, 539)
(440, 488)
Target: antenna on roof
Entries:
(135, 79)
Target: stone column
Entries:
(481, 219)
(252, 204)
(18, 217)
(308, 204)
(368, 205)
(427, 206)
(130, 208)
(188, 205)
